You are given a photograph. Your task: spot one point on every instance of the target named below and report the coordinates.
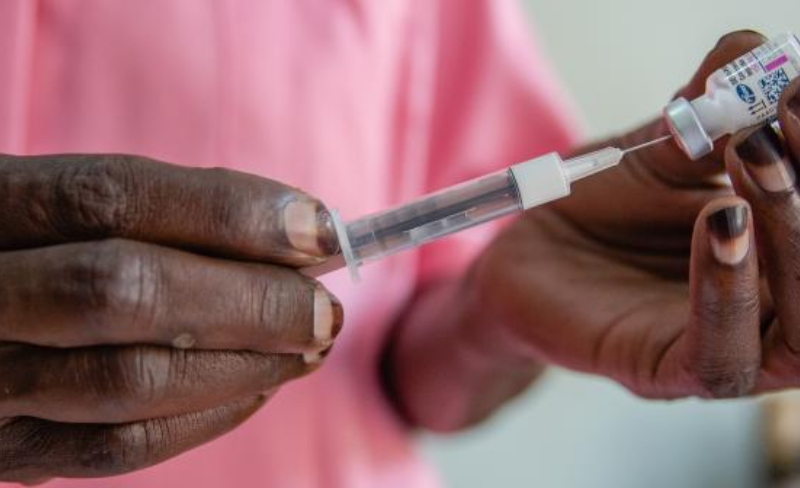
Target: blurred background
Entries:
(622, 60)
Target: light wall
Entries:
(621, 60)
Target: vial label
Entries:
(760, 77)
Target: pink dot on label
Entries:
(777, 63)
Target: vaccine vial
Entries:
(742, 94)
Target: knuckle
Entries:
(722, 315)
(245, 208)
(133, 377)
(118, 449)
(791, 222)
(121, 383)
(23, 441)
(94, 195)
(22, 380)
(717, 373)
(725, 313)
(719, 381)
(114, 280)
(282, 311)
(230, 213)
(130, 447)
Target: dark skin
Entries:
(146, 308)
(622, 280)
(119, 275)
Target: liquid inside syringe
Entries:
(520, 187)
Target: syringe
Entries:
(520, 187)
(743, 93)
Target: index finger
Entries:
(46, 200)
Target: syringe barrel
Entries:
(520, 187)
(433, 216)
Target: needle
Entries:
(647, 144)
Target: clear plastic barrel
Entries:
(434, 216)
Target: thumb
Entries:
(667, 160)
(729, 47)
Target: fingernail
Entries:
(328, 319)
(762, 151)
(727, 228)
(309, 228)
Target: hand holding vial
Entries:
(640, 301)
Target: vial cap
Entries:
(689, 133)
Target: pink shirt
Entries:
(364, 103)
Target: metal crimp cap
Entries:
(685, 125)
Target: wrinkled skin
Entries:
(622, 280)
(146, 308)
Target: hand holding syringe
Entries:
(742, 94)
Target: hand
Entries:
(146, 309)
(650, 274)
